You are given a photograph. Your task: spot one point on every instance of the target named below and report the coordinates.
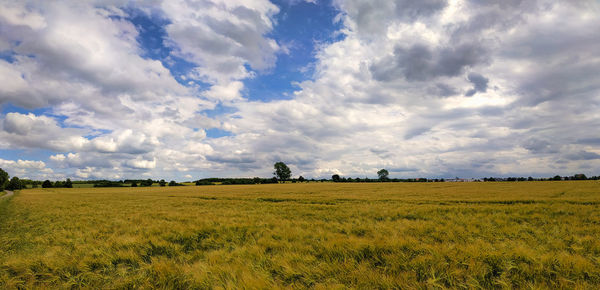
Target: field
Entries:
(315, 235)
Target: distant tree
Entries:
(301, 179)
(529, 178)
(147, 182)
(282, 171)
(107, 183)
(256, 180)
(383, 174)
(14, 184)
(68, 183)
(580, 176)
(162, 182)
(335, 178)
(557, 177)
(47, 184)
(59, 184)
(203, 182)
(174, 183)
(134, 184)
(3, 179)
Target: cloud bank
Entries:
(430, 88)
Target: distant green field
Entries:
(312, 235)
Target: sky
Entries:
(185, 89)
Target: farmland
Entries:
(320, 235)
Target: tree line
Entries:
(9, 183)
(281, 173)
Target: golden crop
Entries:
(321, 235)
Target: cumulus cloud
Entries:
(66, 51)
(419, 63)
(375, 101)
(374, 17)
(27, 169)
(31, 131)
(112, 106)
(141, 163)
(222, 38)
(424, 88)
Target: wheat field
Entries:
(310, 235)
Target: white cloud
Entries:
(222, 36)
(31, 131)
(396, 84)
(142, 164)
(96, 173)
(423, 88)
(228, 92)
(27, 169)
(80, 53)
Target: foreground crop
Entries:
(463, 235)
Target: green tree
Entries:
(282, 171)
(335, 178)
(174, 183)
(47, 184)
(3, 179)
(68, 183)
(134, 184)
(162, 182)
(383, 174)
(147, 182)
(301, 178)
(14, 184)
(203, 182)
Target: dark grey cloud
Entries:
(583, 155)
(589, 141)
(538, 146)
(383, 153)
(416, 130)
(231, 158)
(402, 169)
(480, 84)
(422, 63)
(442, 90)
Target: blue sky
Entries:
(189, 89)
